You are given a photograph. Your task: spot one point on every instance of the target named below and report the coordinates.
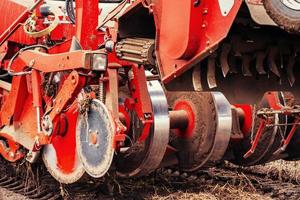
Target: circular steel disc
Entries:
(207, 141)
(224, 121)
(143, 158)
(223, 130)
(95, 137)
(60, 157)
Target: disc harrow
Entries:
(127, 91)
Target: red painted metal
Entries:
(65, 146)
(36, 89)
(258, 135)
(247, 117)
(273, 100)
(197, 32)
(87, 14)
(70, 89)
(10, 150)
(19, 9)
(141, 99)
(125, 116)
(56, 62)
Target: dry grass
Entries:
(282, 169)
(244, 190)
(239, 186)
(217, 192)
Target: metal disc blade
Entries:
(57, 171)
(143, 158)
(60, 157)
(211, 121)
(94, 137)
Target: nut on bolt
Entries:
(47, 125)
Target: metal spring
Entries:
(101, 89)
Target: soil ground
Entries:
(277, 180)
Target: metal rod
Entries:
(178, 119)
(36, 4)
(260, 130)
(5, 85)
(38, 119)
(282, 111)
(124, 50)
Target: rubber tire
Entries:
(286, 18)
(193, 151)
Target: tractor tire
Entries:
(283, 14)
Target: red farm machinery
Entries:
(131, 86)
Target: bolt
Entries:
(11, 154)
(197, 3)
(31, 63)
(29, 154)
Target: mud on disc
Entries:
(206, 138)
(60, 157)
(94, 138)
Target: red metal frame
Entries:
(197, 32)
(247, 115)
(274, 103)
(11, 152)
(258, 135)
